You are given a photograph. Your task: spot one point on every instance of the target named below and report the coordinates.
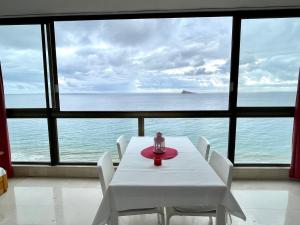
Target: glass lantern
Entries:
(159, 143)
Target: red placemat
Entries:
(169, 153)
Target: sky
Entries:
(154, 55)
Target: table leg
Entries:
(220, 218)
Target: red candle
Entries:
(157, 161)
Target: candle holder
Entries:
(157, 161)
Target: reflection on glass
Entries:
(22, 66)
(269, 62)
(29, 139)
(86, 139)
(144, 64)
(263, 140)
(214, 130)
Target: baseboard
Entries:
(55, 171)
(276, 173)
(261, 173)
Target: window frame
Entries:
(52, 111)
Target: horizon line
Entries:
(86, 93)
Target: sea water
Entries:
(258, 140)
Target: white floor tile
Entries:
(41, 201)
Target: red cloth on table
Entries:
(169, 153)
(295, 164)
(5, 157)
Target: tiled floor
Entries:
(75, 201)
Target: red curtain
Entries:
(5, 159)
(295, 164)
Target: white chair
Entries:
(122, 145)
(203, 146)
(223, 167)
(106, 171)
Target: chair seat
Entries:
(143, 209)
(139, 211)
(196, 209)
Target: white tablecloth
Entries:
(186, 180)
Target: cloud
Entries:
(143, 55)
(17, 37)
(212, 66)
(270, 55)
(154, 55)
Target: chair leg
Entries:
(163, 218)
(210, 221)
(159, 220)
(230, 218)
(108, 222)
(168, 220)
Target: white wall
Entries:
(20, 8)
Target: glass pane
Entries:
(269, 62)
(144, 64)
(21, 58)
(84, 140)
(213, 129)
(263, 140)
(29, 139)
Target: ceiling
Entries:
(32, 8)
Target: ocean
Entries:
(259, 140)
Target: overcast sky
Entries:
(154, 55)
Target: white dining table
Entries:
(186, 180)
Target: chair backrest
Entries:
(203, 146)
(106, 170)
(223, 167)
(122, 145)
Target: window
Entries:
(144, 64)
(213, 129)
(22, 66)
(84, 140)
(269, 62)
(29, 140)
(264, 140)
(172, 66)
